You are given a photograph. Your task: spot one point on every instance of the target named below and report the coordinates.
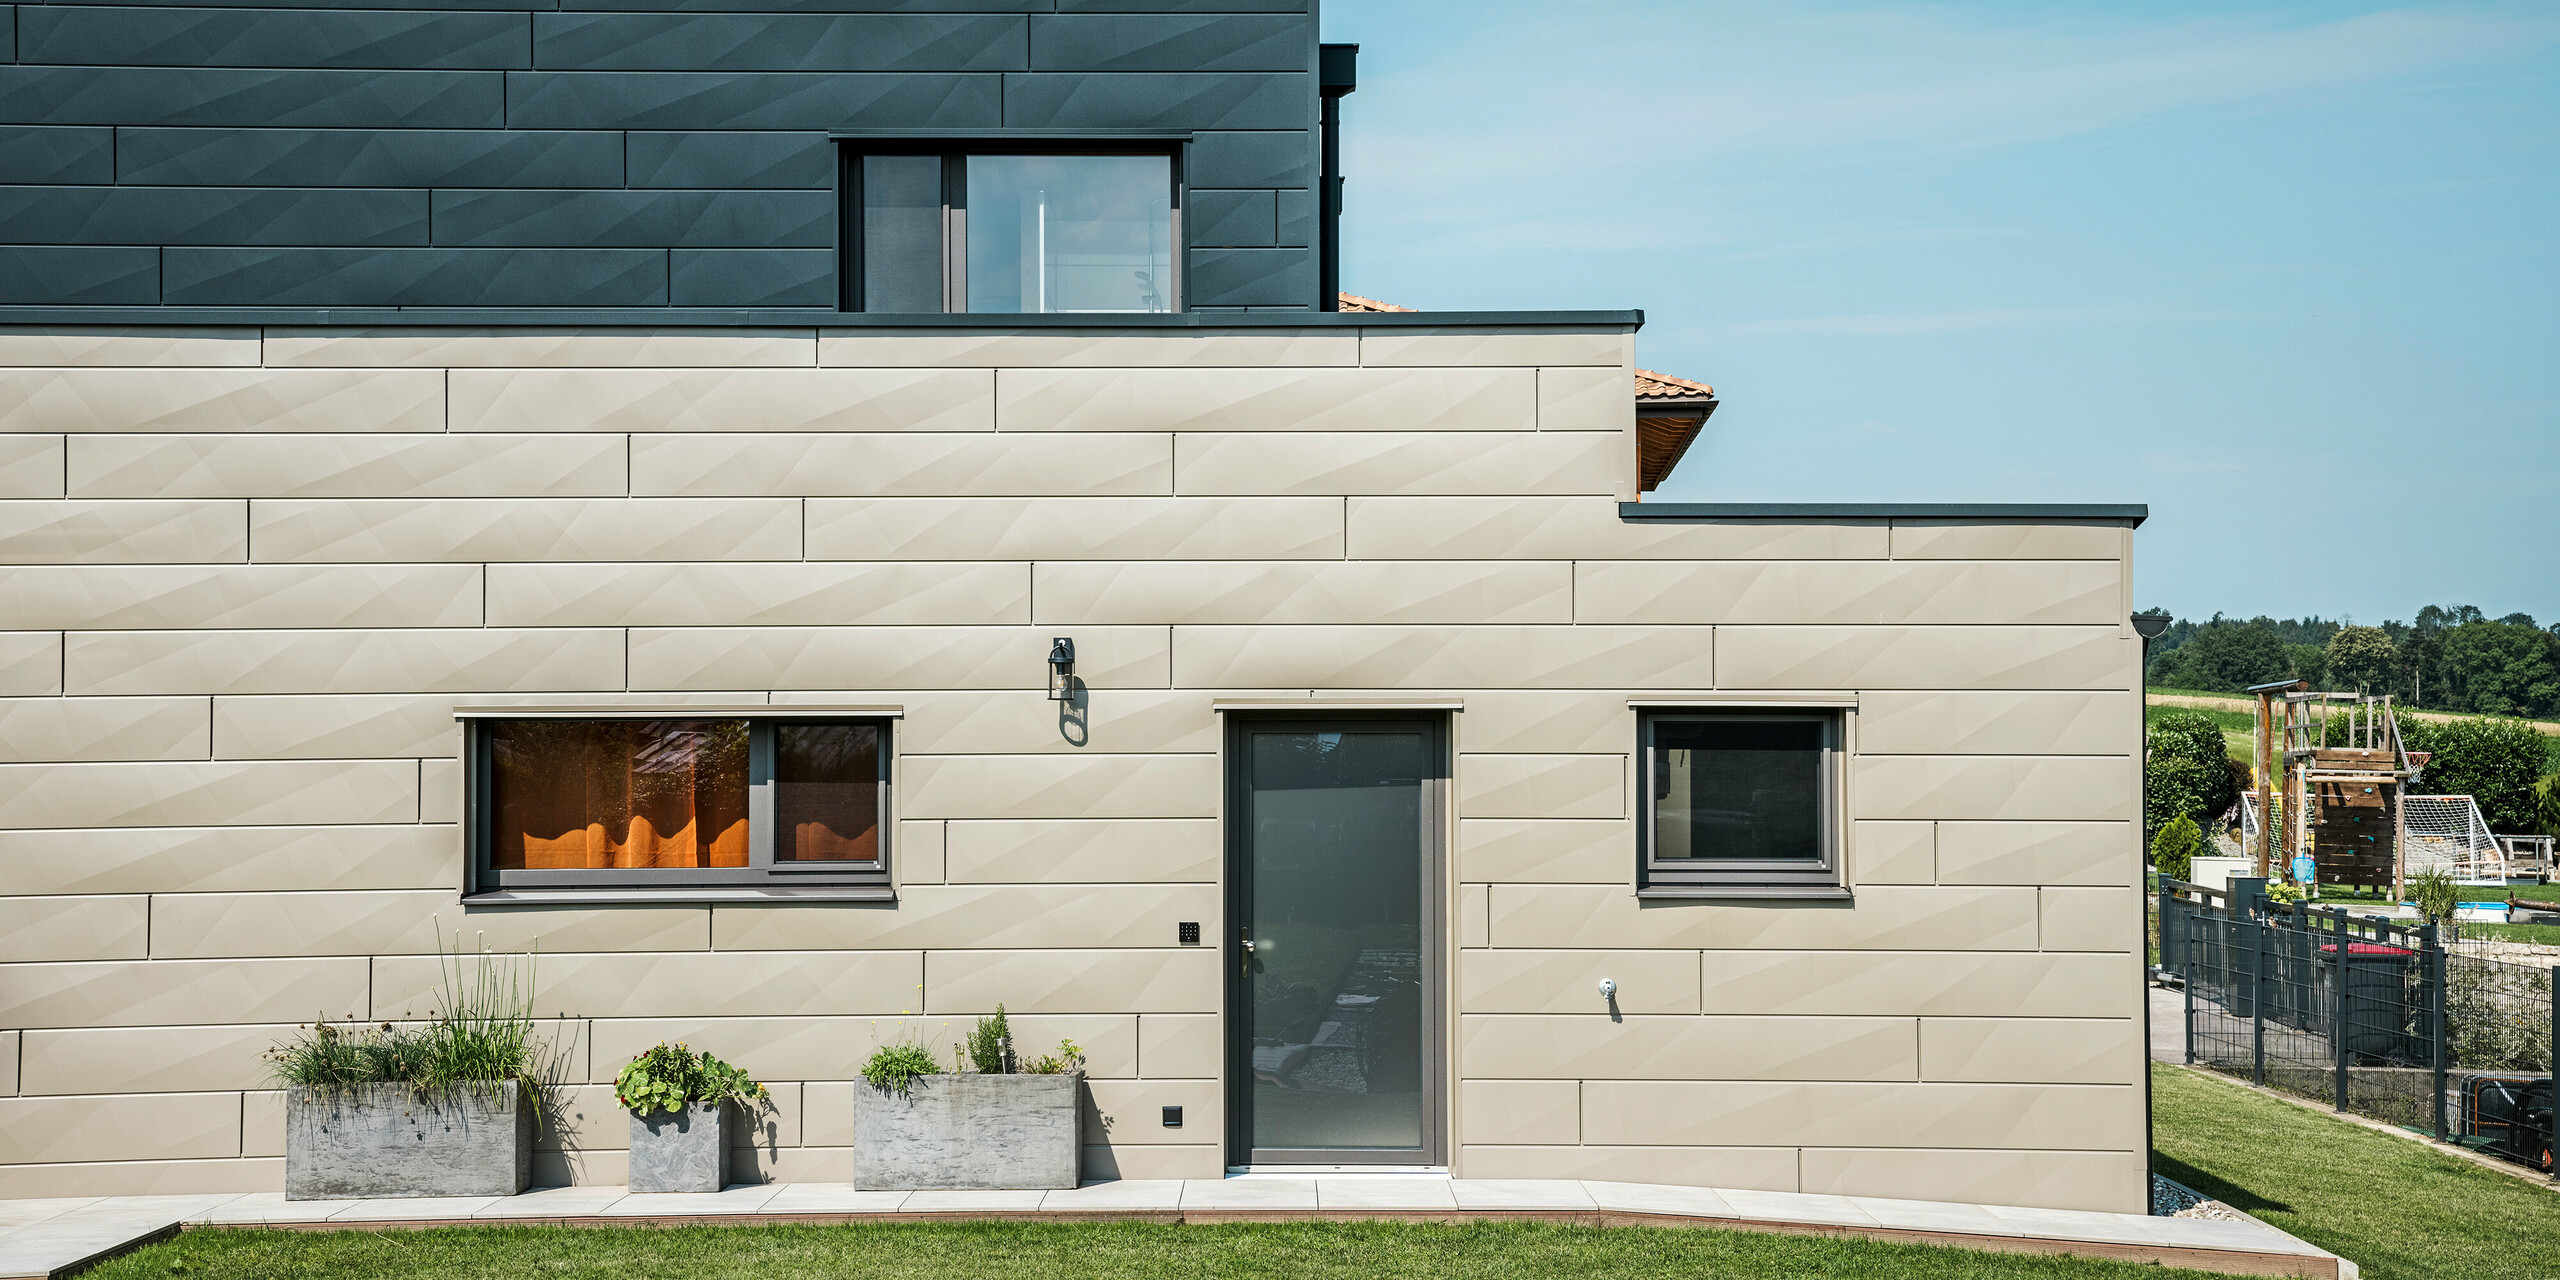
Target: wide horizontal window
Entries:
(670, 803)
(1741, 799)
(1049, 232)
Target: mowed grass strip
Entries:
(2401, 1210)
(1088, 1251)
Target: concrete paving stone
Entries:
(565, 1202)
(1120, 1194)
(18, 1213)
(1930, 1215)
(2213, 1233)
(1646, 1197)
(1789, 1206)
(1385, 1193)
(973, 1201)
(1522, 1193)
(65, 1240)
(744, 1198)
(833, 1197)
(270, 1206)
(2072, 1224)
(1249, 1193)
(413, 1208)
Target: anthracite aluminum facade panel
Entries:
(498, 154)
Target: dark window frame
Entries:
(955, 150)
(1825, 876)
(764, 877)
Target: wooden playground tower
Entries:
(2342, 801)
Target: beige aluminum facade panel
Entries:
(31, 466)
(70, 532)
(1027, 722)
(2032, 1050)
(2027, 788)
(1085, 349)
(1946, 984)
(207, 793)
(1994, 540)
(821, 1048)
(210, 926)
(40, 730)
(685, 984)
(1099, 786)
(1593, 1046)
(1746, 592)
(30, 663)
(1926, 657)
(530, 529)
(1522, 786)
(722, 400)
(1885, 918)
(918, 852)
(172, 597)
(2009, 722)
(1550, 528)
(343, 661)
(151, 1059)
(1893, 853)
(69, 928)
(1519, 1111)
(332, 466)
(147, 993)
(1282, 657)
(1082, 850)
(943, 918)
(2100, 1181)
(119, 1127)
(889, 657)
(2091, 853)
(9, 1055)
(1513, 980)
(693, 595)
(230, 859)
(1171, 980)
(1075, 528)
(1130, 1112)
(535, 348)
(1177, 1045)
(1721, 1167)
(1835, 1114)
(1226, 592)
(194, 400)
(1544, 850)
(1526, 720)
(133, 346)
(1589, 399)
(1382, 462)
(1514, 345)
(2090, 919)
(1293, 400)
(889, 466)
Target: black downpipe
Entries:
(1337, 74)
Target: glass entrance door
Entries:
(1333, 960)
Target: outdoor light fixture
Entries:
(1062, 670)
(2150, 625)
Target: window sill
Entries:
(1750, 892)
(706, 896)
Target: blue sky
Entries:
(2290, 274)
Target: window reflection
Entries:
(618, 793)
(1070, 233)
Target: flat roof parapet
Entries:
(678, 318)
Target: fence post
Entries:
(2258, 1006)
(2168, 953)
(2338, 1028)
(2187, 1015)
(2434, 976)
(2553, 1098)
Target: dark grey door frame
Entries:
(1434, 951)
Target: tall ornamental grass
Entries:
(478, 1034)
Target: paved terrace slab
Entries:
(48, 1238)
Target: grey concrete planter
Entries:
(684, 1150)
(967, 1132)
(396, 1140)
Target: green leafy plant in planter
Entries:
(479, 1034)
(990, 1046)
(672, 1077)
(895, 1066)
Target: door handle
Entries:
(1244, 956)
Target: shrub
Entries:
(2173, 851)
(2434, 893)
(671, 1077)
(1067, 1061)
(2187, 771)
(2496, 762)
(990, 1045)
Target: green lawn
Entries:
(2402, 1210)
(1095, 1251)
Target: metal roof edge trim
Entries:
(2136, 512)
(680, 318)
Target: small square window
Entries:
(1053, 231)
(1740, 800)
(560, 804)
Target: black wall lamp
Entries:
(1062, 670)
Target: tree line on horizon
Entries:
(2447, 658)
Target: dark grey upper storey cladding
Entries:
(544, 154)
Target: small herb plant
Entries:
(1067, 1061)
(672, 1077)
(991, 1045)
(895, 1066)
(480, 1033)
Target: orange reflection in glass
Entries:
(570, 794)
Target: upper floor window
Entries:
(651, 802)
(941, 230)
(1741, 800)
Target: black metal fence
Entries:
(2365, 1014)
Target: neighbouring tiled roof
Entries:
(1660, 439)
